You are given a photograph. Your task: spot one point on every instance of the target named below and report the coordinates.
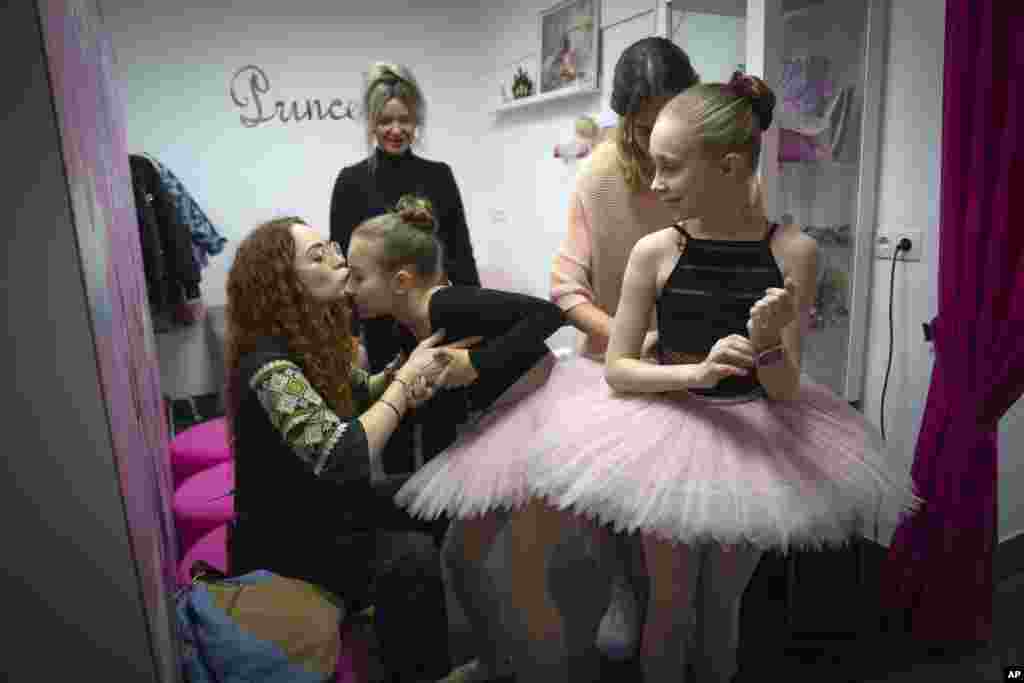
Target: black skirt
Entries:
(338, 553)
(380, 556)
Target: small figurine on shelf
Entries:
(522, 85)
(567, 62)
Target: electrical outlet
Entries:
(497, 215)
(885, 244)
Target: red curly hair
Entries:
(266, 299)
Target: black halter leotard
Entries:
(709, 295)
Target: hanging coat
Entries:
(172, 271)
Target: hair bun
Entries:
(761, 97)
(383, 72)
(417, 212)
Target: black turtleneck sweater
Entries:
(360, 194)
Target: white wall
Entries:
(177, 70)
(908, 196)
(528, 184)
(178, 60)
(715, 43)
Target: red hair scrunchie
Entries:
(762, 100)
(741, 84)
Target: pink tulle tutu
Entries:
(775, 474)
(486, 467)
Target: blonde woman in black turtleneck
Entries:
(395, 115)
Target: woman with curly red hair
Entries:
(307, 432)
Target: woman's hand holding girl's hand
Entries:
(419, 392)
(417, 367)
(730, 357)
(424, 371)
(421, 358)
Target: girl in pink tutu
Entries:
(721, 448)
(395, 270)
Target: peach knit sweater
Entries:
(606, 219)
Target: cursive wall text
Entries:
(249, 87)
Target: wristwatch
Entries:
(770, 356)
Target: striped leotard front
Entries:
(709, 295)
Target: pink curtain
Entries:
(939, 570)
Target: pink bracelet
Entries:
(770, 356)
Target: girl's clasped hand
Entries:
(773, 312)
(735, 355)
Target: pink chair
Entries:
(212, 548)
(199, 447)
(202, 503)
(353, 666)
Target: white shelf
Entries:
(560, 94)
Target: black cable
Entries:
(903, 245)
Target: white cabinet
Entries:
(824, 60)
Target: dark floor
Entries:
(825, 643)
(835, 636)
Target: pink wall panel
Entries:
(90, 111)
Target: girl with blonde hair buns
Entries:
(307, 429)
(395, 110)
(611, 207)
(395, 262)
(721, 448)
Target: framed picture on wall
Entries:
(569, 45)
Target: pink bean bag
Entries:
(212, 548)
(203, 502)
(198, 448)
(352, 661)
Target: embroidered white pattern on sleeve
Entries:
(298, 412)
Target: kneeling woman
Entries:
(396, 271)
(307, 431)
